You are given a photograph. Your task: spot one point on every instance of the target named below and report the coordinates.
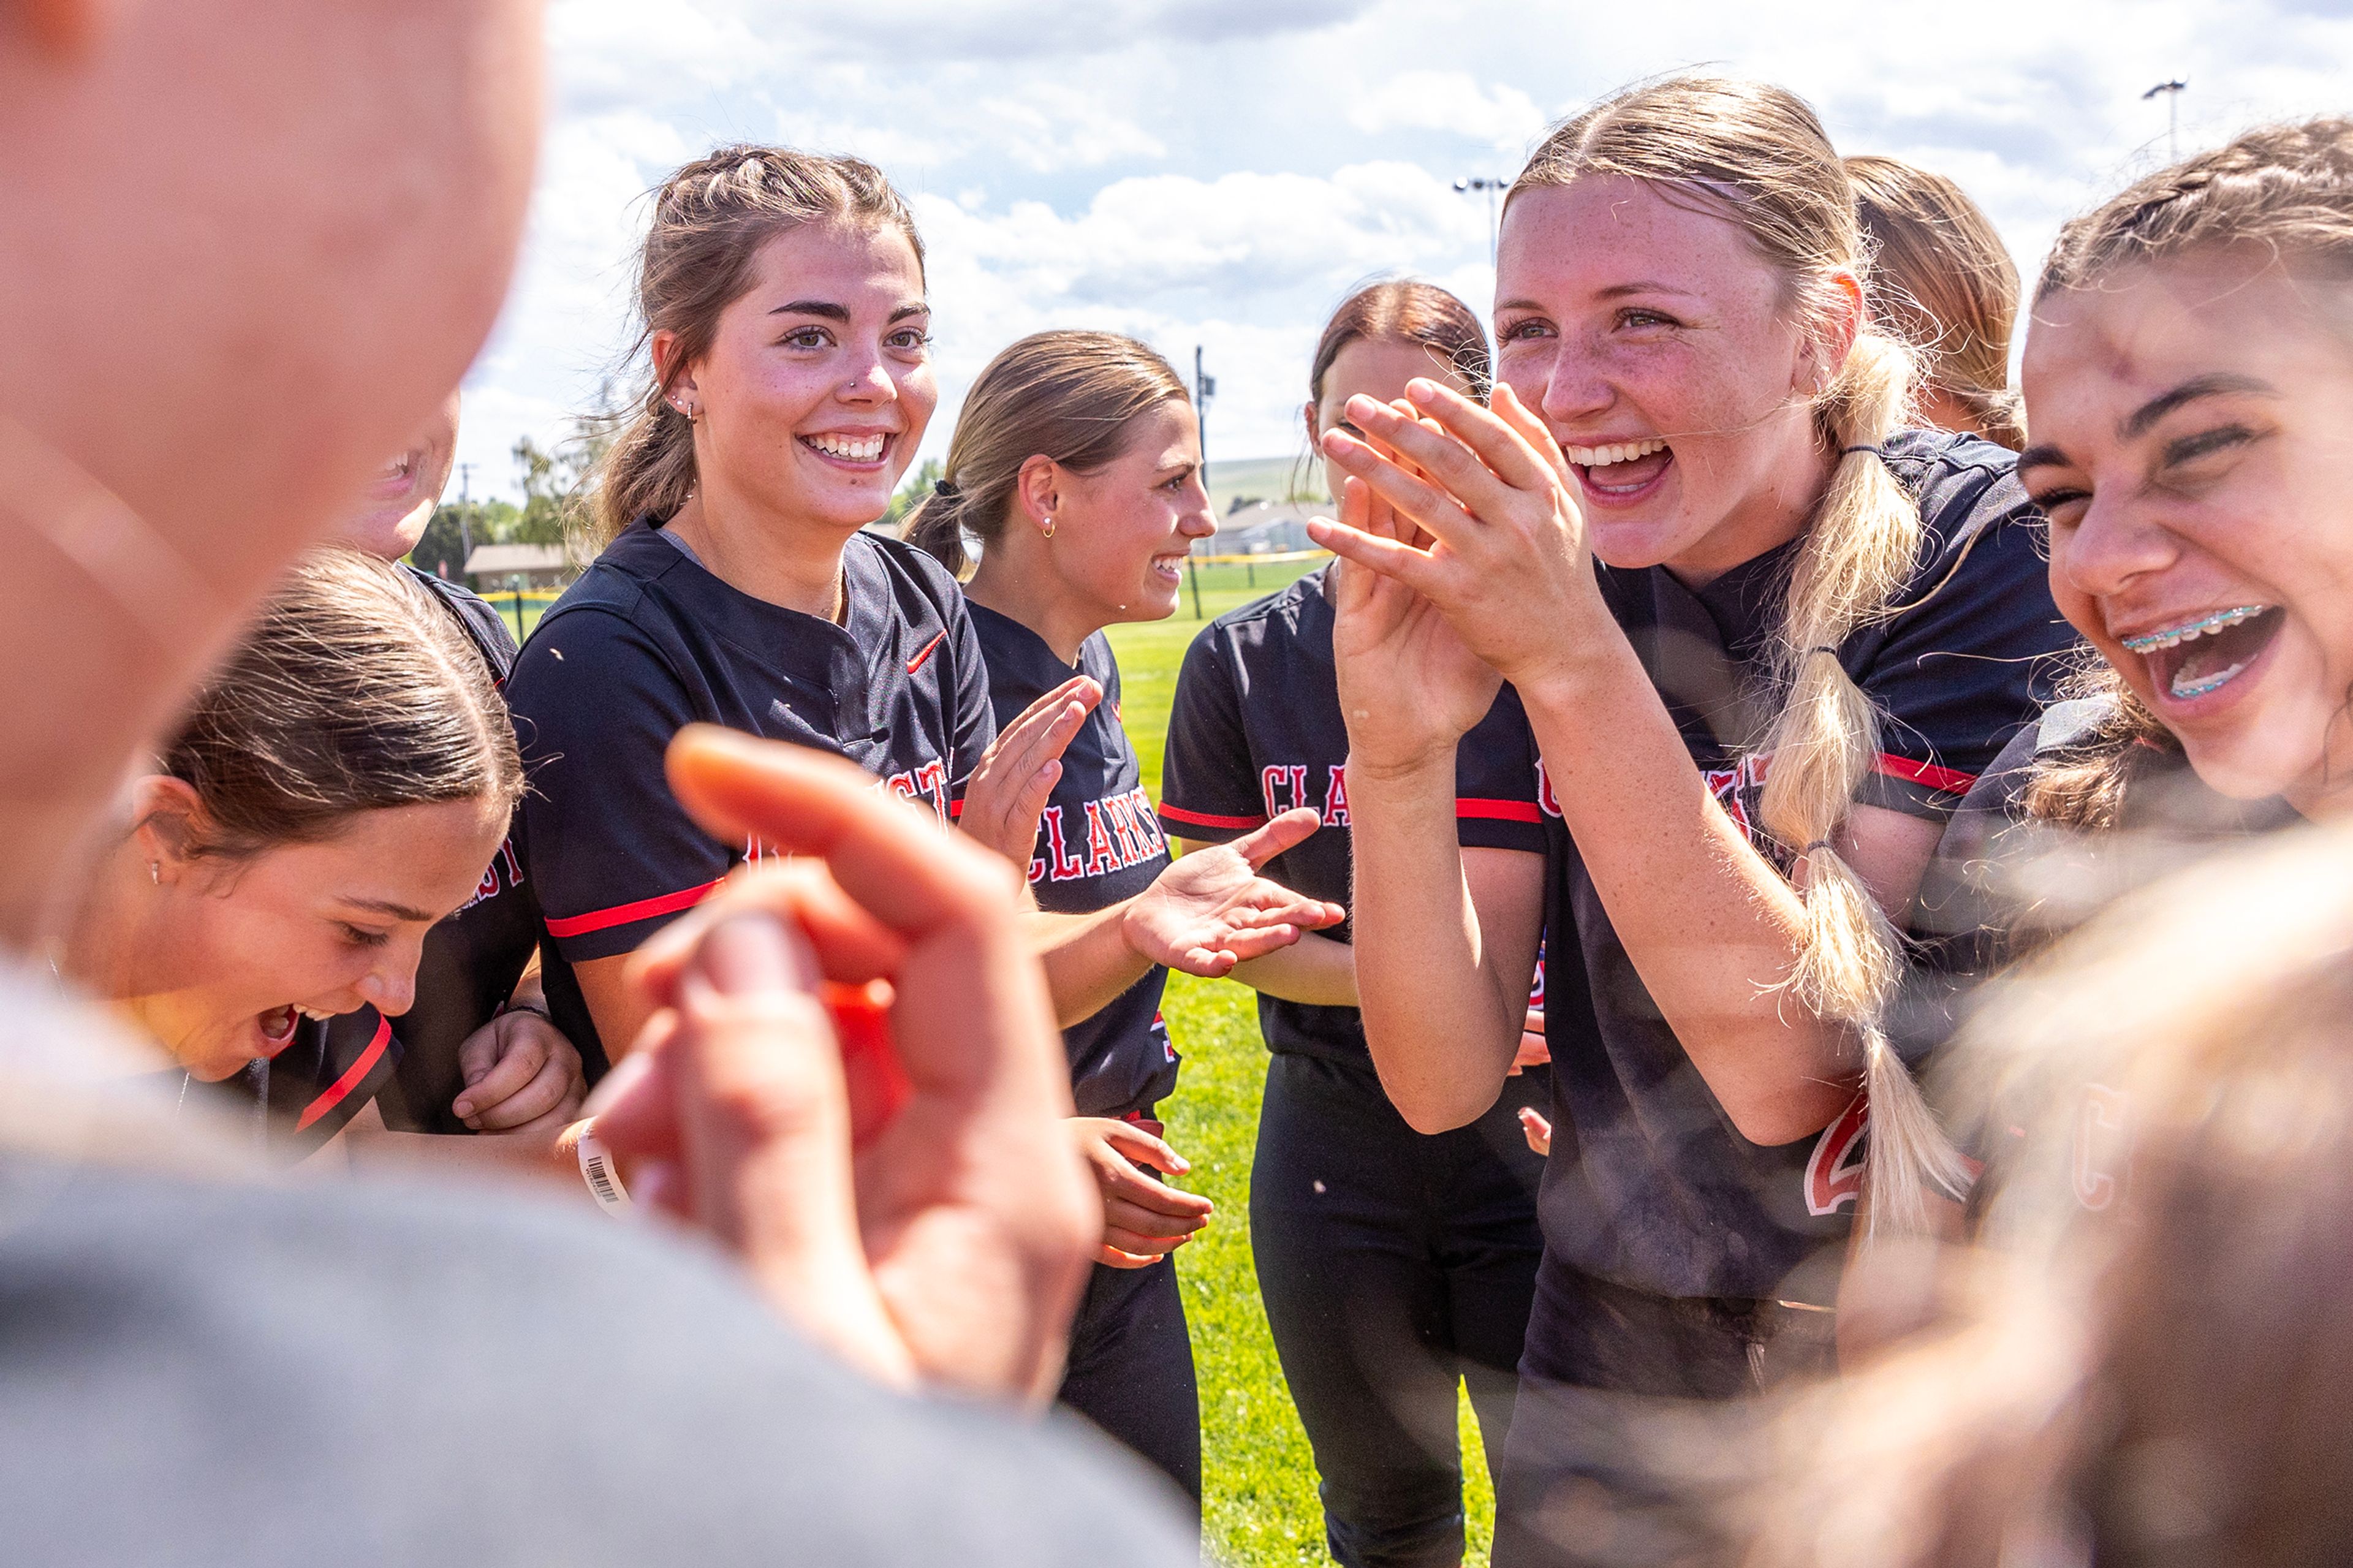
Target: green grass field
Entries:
(1260, 1506)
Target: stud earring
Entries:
(155, 872)
(1049, 525)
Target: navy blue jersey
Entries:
(1097, 844)
(311, 1091)
(1650, 1186)
(1256, 730)
(648, 641)
(473, 958)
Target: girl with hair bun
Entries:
(1940, 279)
(1765, 637)
(334, 790)
(787, 329)
(1397, 1268)
(1077, 466)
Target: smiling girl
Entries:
(335, 791)
(1809, 630)
(783, 297)
(1077, 464)
(2189, 385)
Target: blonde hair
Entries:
(2285, 188)
(1067, 395)
(710, 220)
(1756, 156)
(1941, 279)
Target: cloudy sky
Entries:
(1220, 172)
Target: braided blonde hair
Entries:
(1758, 156)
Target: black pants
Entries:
(1393, 1266)
(1621, 1394)
(1131, 1369)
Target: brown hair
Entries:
(352, 690)
(710, 220)
(1405, 311)
(2286, 188)
(1942, 280)
(1067, 395)
(1758, 156)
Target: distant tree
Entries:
(442, 550)
(555, 485)
(920, 485)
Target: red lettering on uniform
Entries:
(1544, 797)
(1835, 1174)
(1335, 797)
(1281, 779)
(1063, 868)
(932, 778)
(1148, 821)
(515, 867)
(1121, 811)
(1100, 856)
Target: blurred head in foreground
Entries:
(183, 405)
(2150, 1369)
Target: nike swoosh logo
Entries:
(917, 662)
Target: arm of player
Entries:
(1203, 915)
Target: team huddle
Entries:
(1617, 832)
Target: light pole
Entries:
(465, 506)
(1205, 387)
(2173, 90)
(1481, 183)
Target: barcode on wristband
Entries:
(603, 1181)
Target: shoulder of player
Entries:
(923, 588)
(1964, 484)
(1271, 621)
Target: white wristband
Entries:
(604, 1178)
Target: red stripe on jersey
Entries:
(333, 1095)
(955, 809)
(622, 914)
(916, 663)
(1951, 781)
(1499, 810)
(1203, 819)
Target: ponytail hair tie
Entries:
(946, 489)
(1820, 648)
(1816, 844)
(1878, 452)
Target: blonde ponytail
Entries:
(1758, 155)
(1859, 551)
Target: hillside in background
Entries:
(1262, 479)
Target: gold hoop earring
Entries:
(1049, 525)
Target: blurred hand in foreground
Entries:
(948, 1247)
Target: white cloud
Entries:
(1219, 171)
(1451, 102)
